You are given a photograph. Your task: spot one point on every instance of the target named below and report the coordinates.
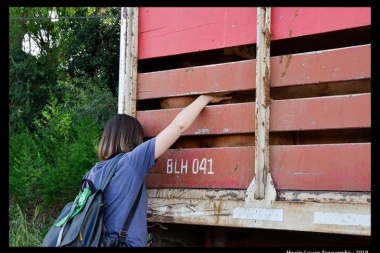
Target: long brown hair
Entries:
(121, 134)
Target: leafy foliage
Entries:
(47, 166)
(31, 79)
(95, 51)
(25, 173)
(59, 101)
(78, 52)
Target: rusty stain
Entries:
(217, 211)
(180, 195)
(281, 57)
(319, 197)
(158, 193)
(288, 58)
(268, 36)
(266, 81)
(293, 20)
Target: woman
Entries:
(124, 134)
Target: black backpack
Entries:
(80, 223)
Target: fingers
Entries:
(219, 96)
(224, 98)
(219, 99)
(223, 94)
(227, 98)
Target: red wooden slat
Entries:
(216, 119)
(341, 167)
(176, 30)
(290, 22)
(348, 111)
(334, 112)
(321, 66)
(338, 167)
(229, 76)
(300, 69)
(215, 167)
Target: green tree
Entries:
(75, 50)
(31, 79)
(94, 54)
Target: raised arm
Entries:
(183, 121)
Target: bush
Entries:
(26, 168)
(47, 166)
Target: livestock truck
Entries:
(287, 161)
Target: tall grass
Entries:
(24, 231)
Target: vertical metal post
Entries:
(128, 61)
(262, 102)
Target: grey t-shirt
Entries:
(122, 190)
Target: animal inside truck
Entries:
(285, 162)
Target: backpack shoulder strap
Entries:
(124, 231)
(110, 171)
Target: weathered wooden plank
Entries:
(215, 119)
(188, 29)
(332, 112)
(321, 66)
(341, 167)
(128, 61)
(262, 109)
(338, 167)
(337, 197)
(290, 22)
(351, 219)
(300, 69)
(204, 168)
(177, 30)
